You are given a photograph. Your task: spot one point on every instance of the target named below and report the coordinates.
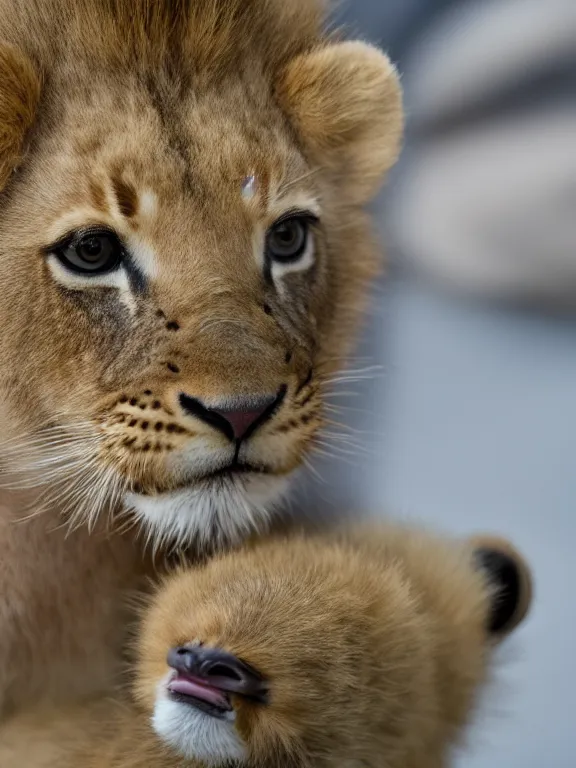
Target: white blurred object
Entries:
(488, 202)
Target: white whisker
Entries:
(311, 468)
(284, 186)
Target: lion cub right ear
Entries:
(344, 100)
(19, 95)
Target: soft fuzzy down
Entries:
(364, 648)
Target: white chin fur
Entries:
(196, 735)
(221, 513)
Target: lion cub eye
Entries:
(94, 253)
(288, 238)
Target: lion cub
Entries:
(362, 648)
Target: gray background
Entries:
(471, 425)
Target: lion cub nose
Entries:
(237, 418)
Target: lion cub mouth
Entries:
(206, 677)
(187, 689)
(231, 471)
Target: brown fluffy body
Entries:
(374, 642)
(144, 116)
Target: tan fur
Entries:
(149, 116)
(374, 643)
(19, 93)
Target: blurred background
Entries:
(469, 423)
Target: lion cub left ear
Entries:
(346, 105)
(19, 95)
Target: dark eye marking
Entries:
(126, 197)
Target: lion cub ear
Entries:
(510, 580)
(19, 94)
(346, 105)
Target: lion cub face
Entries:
(325, 653)
(183, 249)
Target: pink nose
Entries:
(235, 419)
(243, 421)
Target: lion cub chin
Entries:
(358, 648)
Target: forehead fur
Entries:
(210, 34)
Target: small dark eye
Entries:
(287, 239)
(93, 253)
